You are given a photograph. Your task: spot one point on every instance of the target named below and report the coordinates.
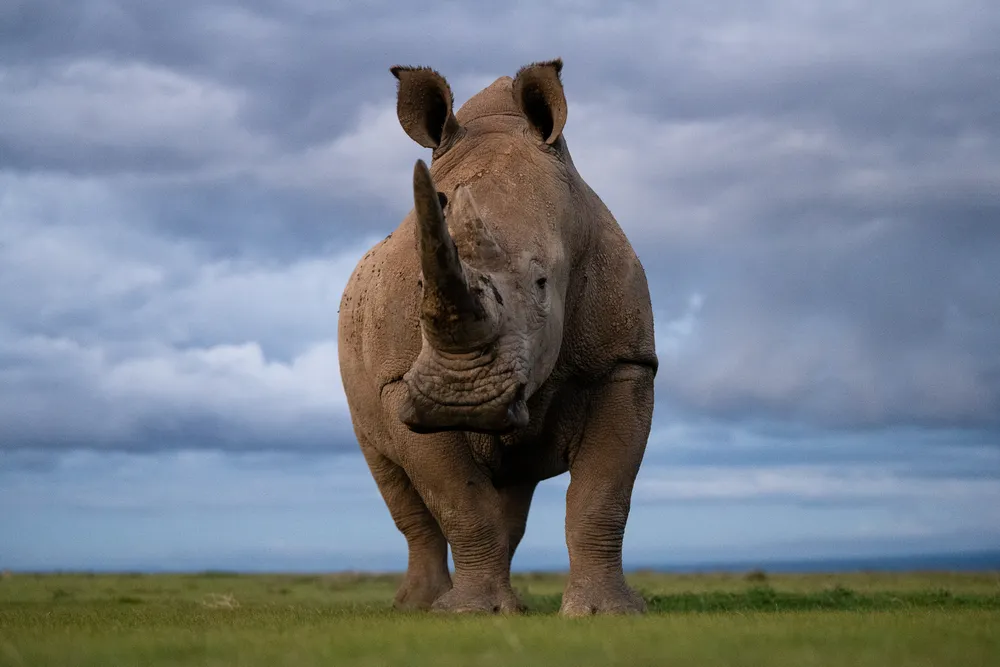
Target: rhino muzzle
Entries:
(422, 413)
(478, 391)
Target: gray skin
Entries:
(502, 335)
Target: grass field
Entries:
(912, 619)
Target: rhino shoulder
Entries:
(610, 312)
(379, 331)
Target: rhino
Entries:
(500, 336)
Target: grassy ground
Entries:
(914, 619)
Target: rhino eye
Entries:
(541, 282)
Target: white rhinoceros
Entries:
(502, 335)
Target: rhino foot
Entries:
(601, 599)
(420, 593)
(483, 600)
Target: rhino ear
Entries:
(538, 91)
(424, 105)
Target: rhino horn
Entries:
(453, 315)
(476, 239)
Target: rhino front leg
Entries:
(427, 575)
(602, 475)
(469, 510)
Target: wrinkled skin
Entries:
(500, 336)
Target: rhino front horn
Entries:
(453, 316)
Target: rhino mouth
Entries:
(464, 394)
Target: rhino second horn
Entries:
(477, 241)
(453, 315)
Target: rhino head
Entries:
(495, 236)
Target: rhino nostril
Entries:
(521, 390)
(496, 294)
(517, 411)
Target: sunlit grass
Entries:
(227, 619)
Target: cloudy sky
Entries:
(813, 188)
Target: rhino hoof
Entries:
(457, 601)
(601, 600)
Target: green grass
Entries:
(248, 620)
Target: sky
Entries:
(812, 188)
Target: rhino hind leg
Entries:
(602, 476)
(427, 576)
(516, 501)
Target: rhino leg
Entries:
(516, 501)
(427, 576)
(469, 510)
(602, 475)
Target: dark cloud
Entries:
(813, 191)
(965, 453)
(273, 225)
(898, 324)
